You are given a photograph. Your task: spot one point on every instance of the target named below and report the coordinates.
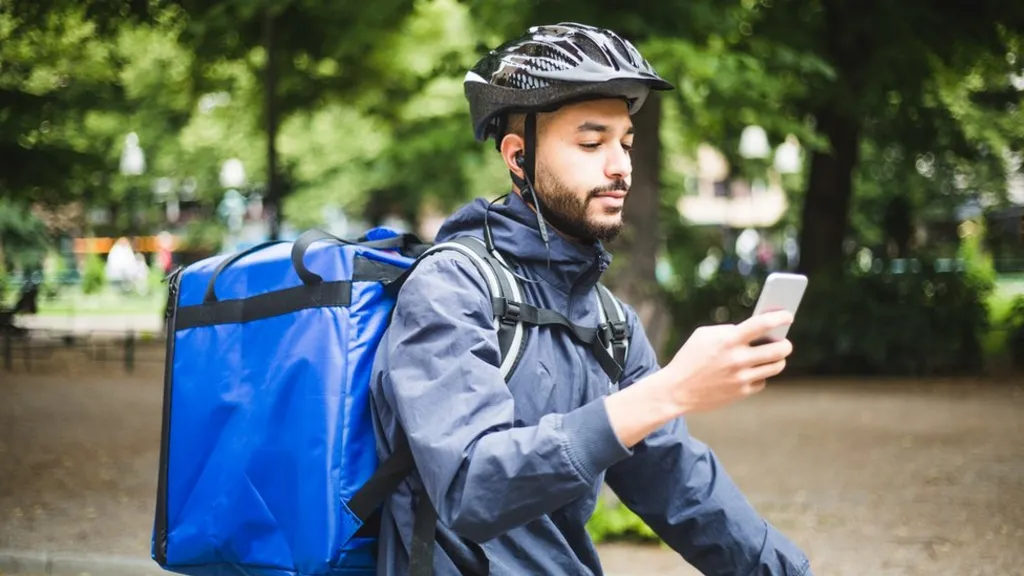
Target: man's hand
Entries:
(718, 365)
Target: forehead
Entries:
(611, 113)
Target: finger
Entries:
(764, 371)
(768, 353)
(754, 387)
(761, 324)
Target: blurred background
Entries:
(875, 146)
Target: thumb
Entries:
(761, 324)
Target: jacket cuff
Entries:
(784, 554)
(590, 442)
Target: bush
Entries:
(1015, 341)
(613, 521)
(95, 275)
(921, 321)
(55, 270)
(4, 281)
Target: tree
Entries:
(306, 52)
(889, 59)
(58, 65)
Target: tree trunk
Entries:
(638, 245)
(272, 199)
(826, 209)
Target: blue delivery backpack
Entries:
(268, 463)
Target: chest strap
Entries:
(607, 335)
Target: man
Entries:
(514, 469)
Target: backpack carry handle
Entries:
(404, 243)
(211, 296)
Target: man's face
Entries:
(584, 169)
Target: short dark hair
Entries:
(516, 124)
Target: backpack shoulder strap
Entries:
(614, 329)
(609, 341)
(504, 288)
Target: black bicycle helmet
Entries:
(550, 66)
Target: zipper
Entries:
(585, 277)
(170, 315)
(583, 356)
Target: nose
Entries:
(618, 165)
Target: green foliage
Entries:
(372, 115)
(53, 73)
(1015, 340)
(978, 262)
(23, 236)
(721, 90)
(905, 319)
(922, 323)
(4, 282)
(94, 278)
(614, 521)
(55, 274)
(202, 237)
(65, 100)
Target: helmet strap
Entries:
(525, 184)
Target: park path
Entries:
(869, 478)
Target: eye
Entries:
(628, 148)
(590, 145)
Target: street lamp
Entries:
(232, 173)
(133, 160)
(754, 143)
(133, 163)
(1017, 81)
(787, 156)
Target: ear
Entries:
(512, 146)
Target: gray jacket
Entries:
(514, 470)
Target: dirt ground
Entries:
(895, 478)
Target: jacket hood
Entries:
(573, 265)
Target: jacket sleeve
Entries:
(675, 483)
(483, 475)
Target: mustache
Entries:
(612, 187)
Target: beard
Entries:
(567, 213)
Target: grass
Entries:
(1008, 288)
(71, 301)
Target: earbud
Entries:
(520, 161)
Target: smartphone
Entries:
(781, 291)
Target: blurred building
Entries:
(732, 202)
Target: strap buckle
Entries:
(620, 332)
(604, 334)
(612, 333)
(509, 312)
